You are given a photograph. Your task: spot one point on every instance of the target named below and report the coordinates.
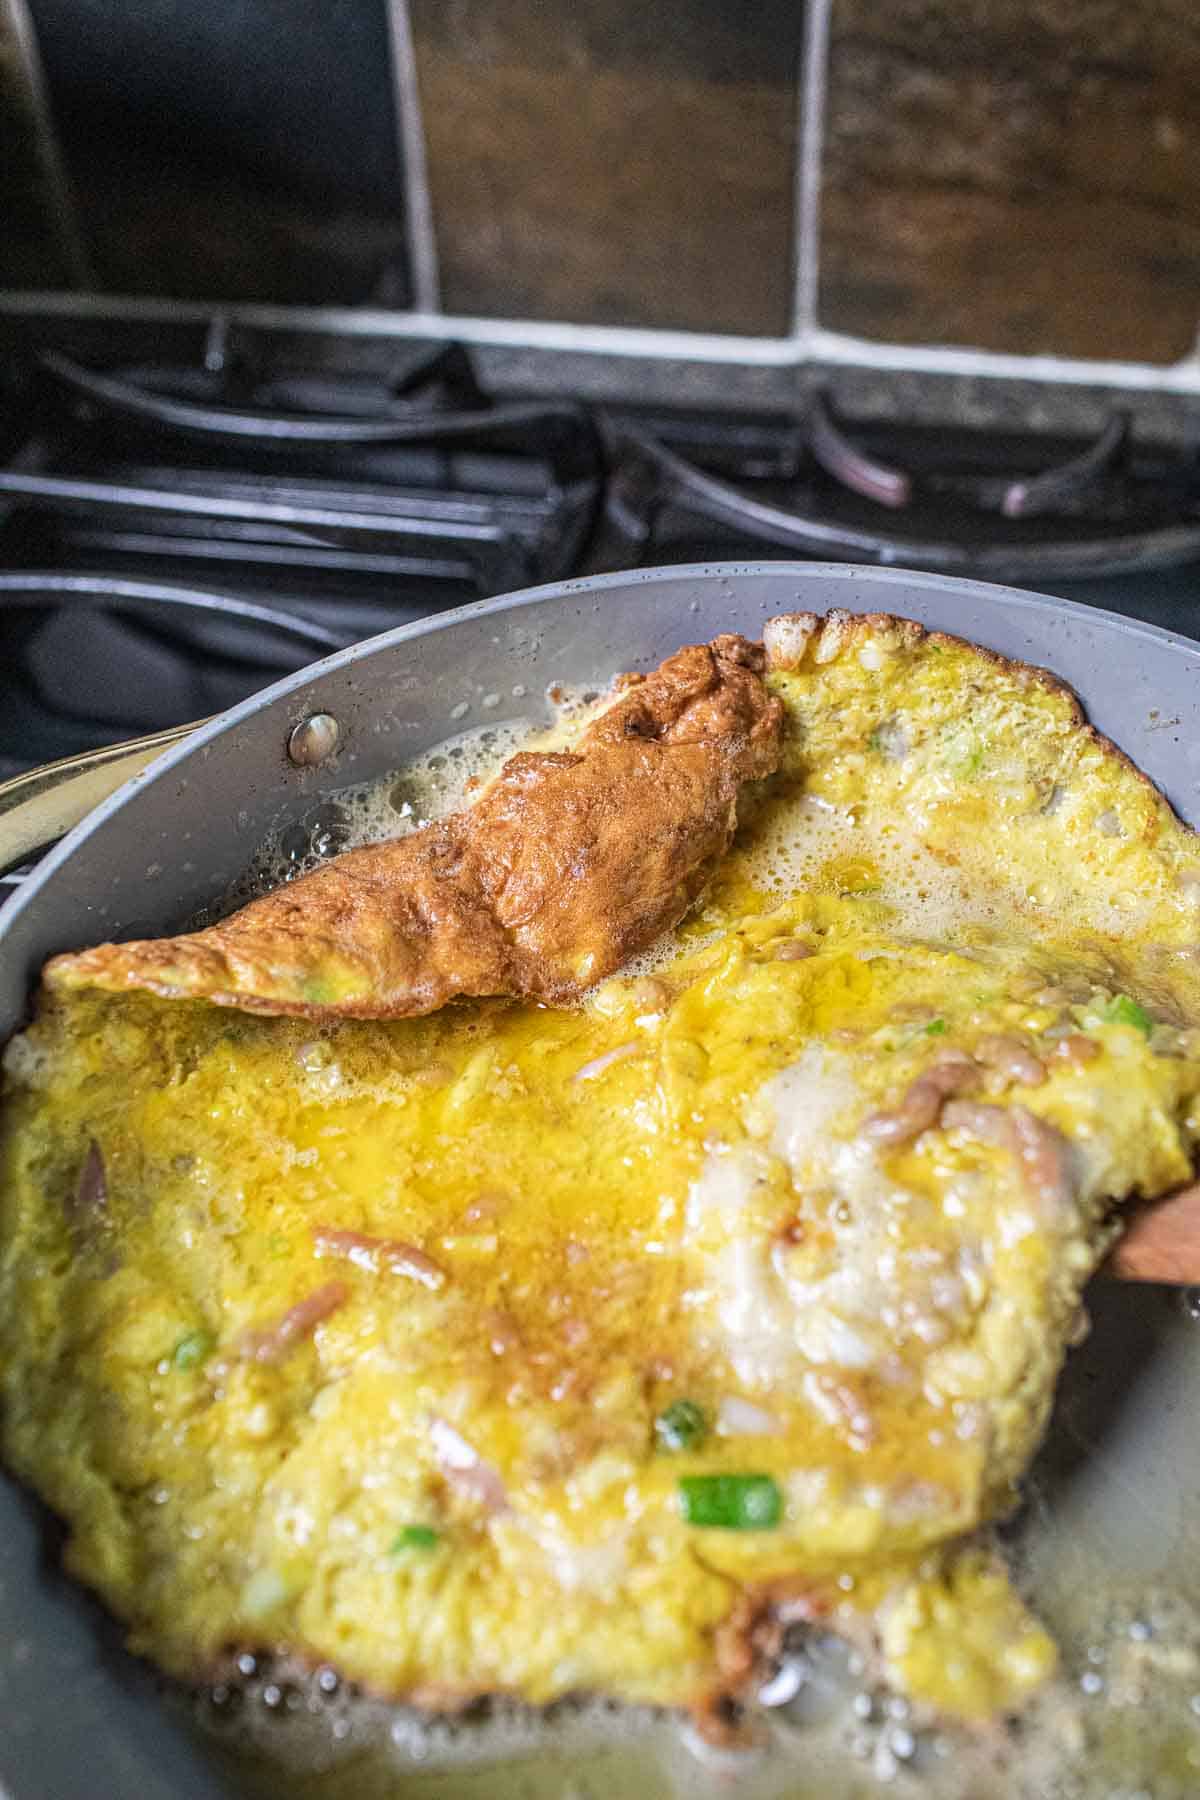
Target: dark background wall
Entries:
(239, 150)
(1018, 175)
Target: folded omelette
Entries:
(397, 1276)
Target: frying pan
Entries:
(78, 1717)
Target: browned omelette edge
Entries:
(790, 637)
(566, 865)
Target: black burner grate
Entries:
(176, 532)
(219, 524)
(1001, 507)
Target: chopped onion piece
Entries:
(1041, 1151)
(374, 1253)
(741, 1418)
(785, 1683)
(465, 1470)
(269, 1344)
(599, 1064)
(91, 1193)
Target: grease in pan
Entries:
(556, 1350)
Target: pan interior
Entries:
(1124, 1511)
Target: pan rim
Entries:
(1021, 600)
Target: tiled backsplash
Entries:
(611, 162)
(1014, 175)
(1021, 175)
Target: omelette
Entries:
(566, 1246)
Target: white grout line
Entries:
(20, 31)
(994, 365)
(532, 334)
(607, 340)
(410, 130)
(819, 346)
(810, 152)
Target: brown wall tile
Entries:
(1019, 175)
(612, 162)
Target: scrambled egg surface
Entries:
(538, 1351)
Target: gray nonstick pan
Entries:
(1116, 1495)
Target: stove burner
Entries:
(175, 531)
(1078, 476)
(1063, 487)
(1097, 511)
(322, 506)
(562, 431)
(162, 600)
(842, 459)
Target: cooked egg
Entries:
(545, 1351)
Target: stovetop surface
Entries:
(175, 535)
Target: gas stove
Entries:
(185, 519)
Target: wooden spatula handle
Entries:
(1161, 1242)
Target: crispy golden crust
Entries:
(567, 866)
(793, 639)
(746, 1644)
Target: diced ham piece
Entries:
(465, 1470)
(271, 1343)
(1077, 1049)
(922, 1101)
(979, 1119)
(1010, 1058)
(1045, 1159)
(1042, 1153)
(375, 1253)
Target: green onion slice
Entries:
(193, 1349)
(731, 1502)
(1121, 1010)
(415, 1537)
(682, 1426)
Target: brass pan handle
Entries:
(42, 805)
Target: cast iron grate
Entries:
(188, 512)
